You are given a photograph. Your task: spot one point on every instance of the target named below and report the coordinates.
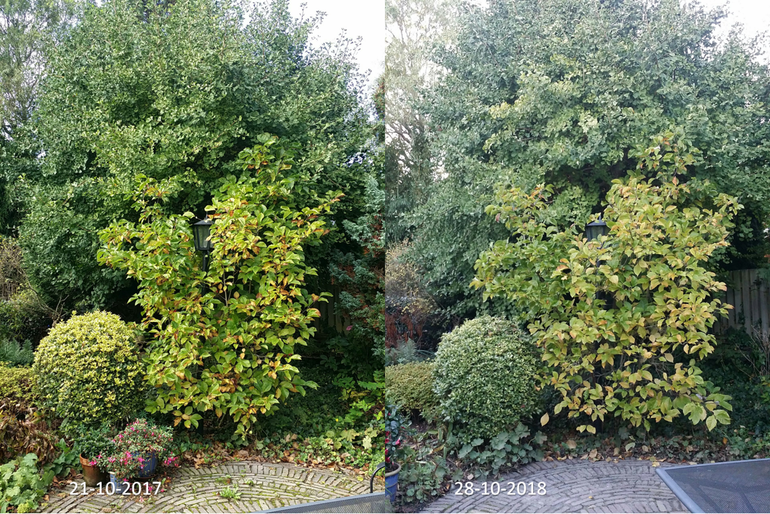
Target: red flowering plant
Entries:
(396, 427)
(137, 445)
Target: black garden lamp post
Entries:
(596, 229)
(201, 233)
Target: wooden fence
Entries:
(329, 318)
(750, 297)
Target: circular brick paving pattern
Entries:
(260, 486)
(570, 486)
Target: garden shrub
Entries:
(22, 485)
(485, 378)
(25, 317)
(17, 392)
(622, 319)
(88, 370)
(16, 354)
(410, 386)
(226, 339)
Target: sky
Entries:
(753, 14)
(360, 18)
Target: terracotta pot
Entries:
(93, 474)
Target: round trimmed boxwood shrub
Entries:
(485, 378)
(88, 371)
(410, 386)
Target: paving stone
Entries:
(572, 485)
(195, 490)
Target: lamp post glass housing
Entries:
(201, 233)
(596, 229)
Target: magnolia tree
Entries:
(225, 340)
(624, 318)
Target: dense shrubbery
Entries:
(485, 378)
(226, 338)
(410, 386)
(21, 431)
(16, 354)
(22, 485)
(24, 317)
(16, 387)
(88, 370)
(622, 319)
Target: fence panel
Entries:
(750, 298)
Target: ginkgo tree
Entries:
(622, 319)
(225, 339)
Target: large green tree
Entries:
(179, 89)
(561, 92)
(26, 26)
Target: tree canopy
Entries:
(178, 89)
(562, 92)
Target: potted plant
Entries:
(137, 451)
(394, 449)
(90, 444)
(145, 442)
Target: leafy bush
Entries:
(17, 391)
(15, 354)
(88, 370)
(25, 317)
(21, 432)
(622, 319)
(421, 480)
(503, 450)
(226, 338)
(93, 441)
(410, 386)
(22, 485)
(484, 378)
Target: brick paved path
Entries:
(261, 486)
(570, 486)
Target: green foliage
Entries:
(561, 92)
(485, 378)
(66, 460)
(422, 479)
(88, 370)
(93, 441)
(177, 91)
(16, 354)
(326, 426)
(16, 388)
(24, 317)
(225, 339)
(621, 319)
(359, 273)
(139, 442)
(397, 427)
(410, 386)
(504, 450)
(22, 485)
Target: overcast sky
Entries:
(360, 18)
(753, 14)
(366, 19)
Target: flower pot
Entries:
(391, 483)
(148, 466)
(121, 485)
(93, 474)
